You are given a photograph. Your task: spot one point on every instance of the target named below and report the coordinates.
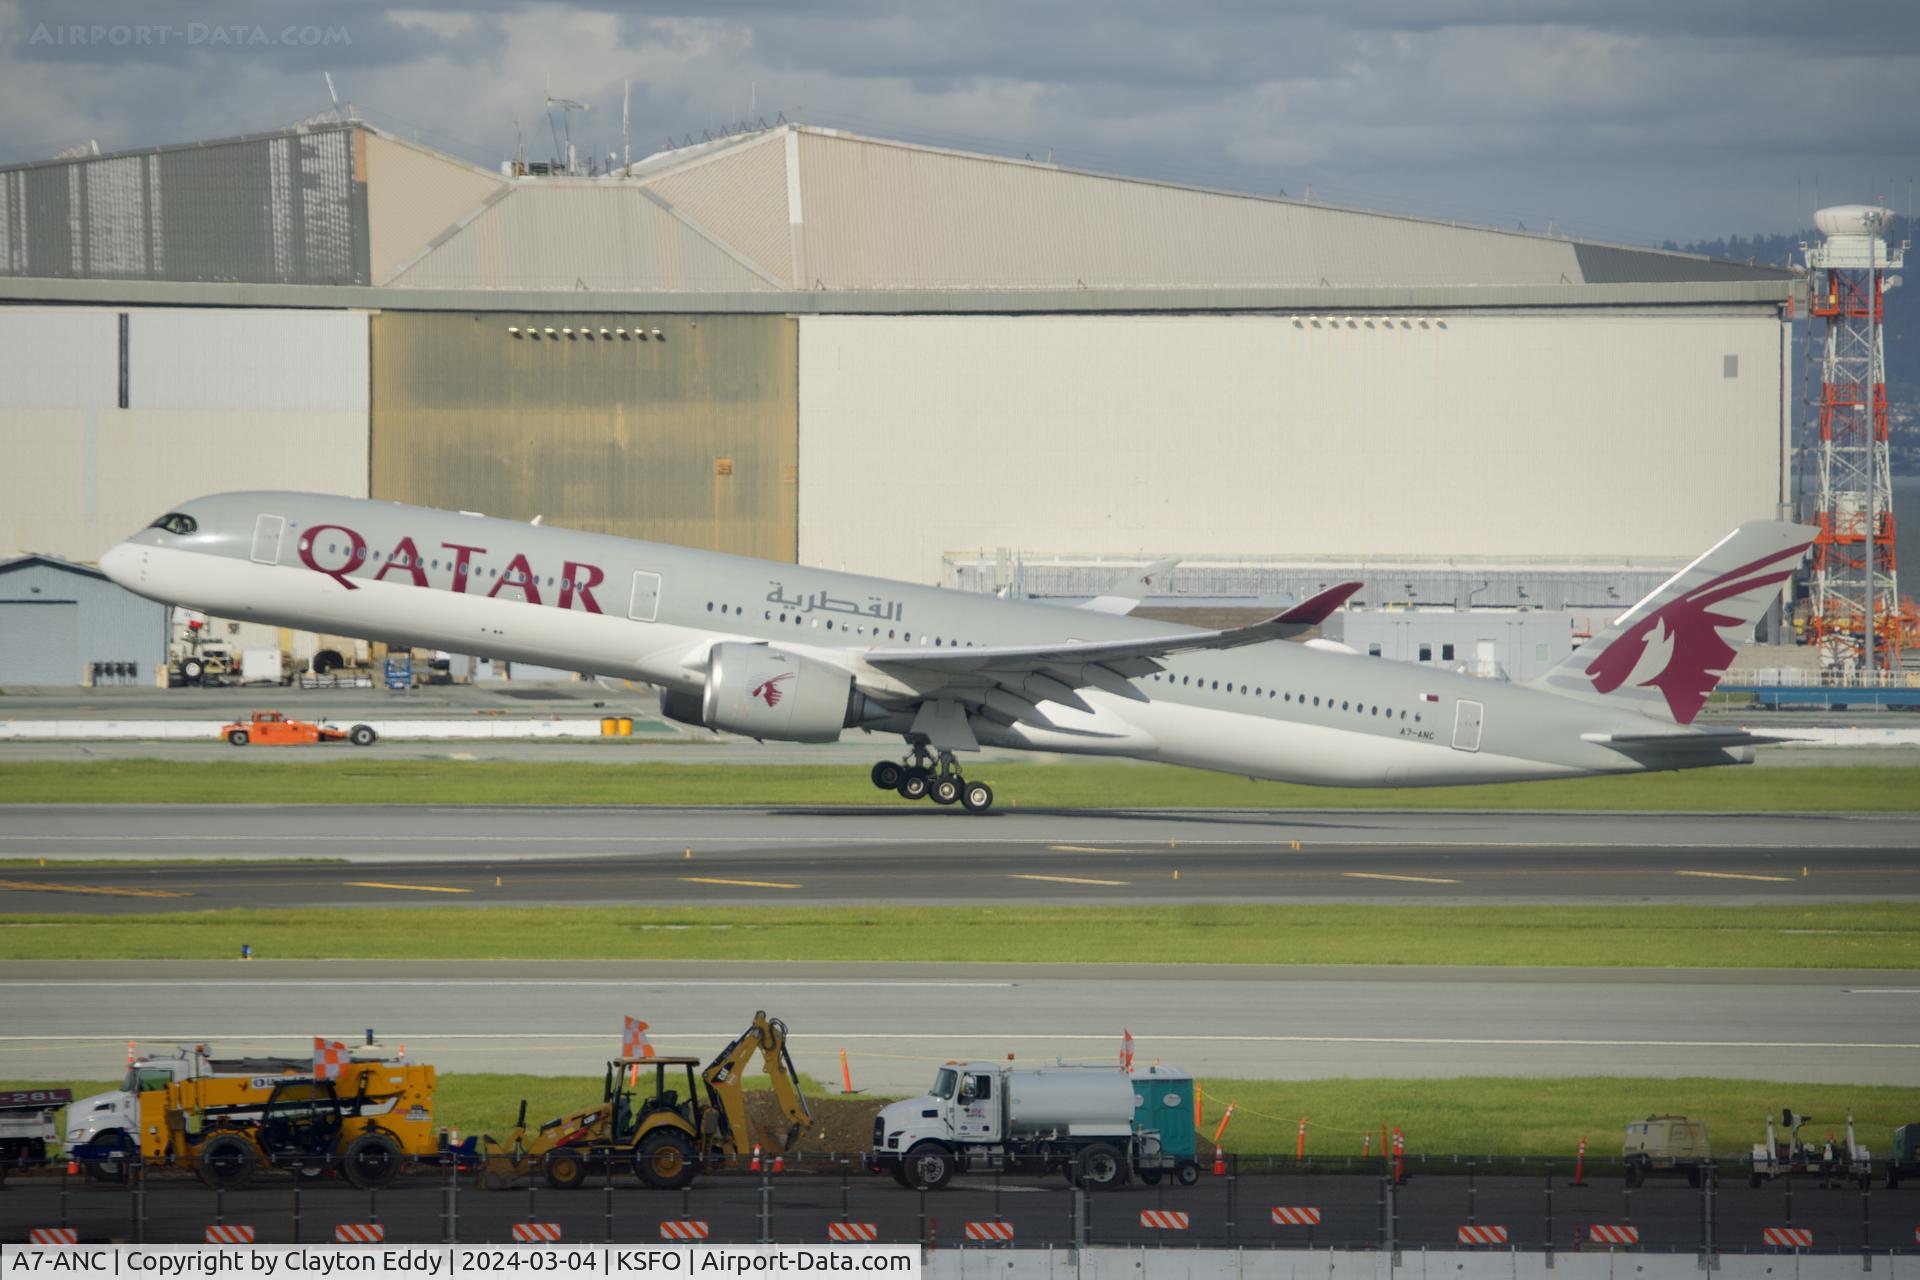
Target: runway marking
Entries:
(1734, 875)
(997, 1037)
(1381, 875)
(415, 888)
(105, 891)
(1069, 879)
(1081, 848)
(745, 884)
(1883, 991)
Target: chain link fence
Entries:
(1275, 1202)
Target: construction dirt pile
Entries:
(841, 1126)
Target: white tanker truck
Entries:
(1098, 1125)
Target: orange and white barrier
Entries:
(53, 1235)
(1613, 1235)
(684, 1229)
(229, 1233)
(1295, 1216)
(853, 1232)
(1000, 1231)
(537, 1232)
(1165, 1220)
(1483, 1235)
(1791, 1237)
(359, 1233)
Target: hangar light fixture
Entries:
(656, 333)
(606, 333)
(624, 335)
(549, 331)
(514, 329)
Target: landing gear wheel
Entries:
(237, 737)
(976, 797)
(361, 735)
(227, 1160)
(1099, 1168)
(887, 775)
(372, 1161)
(566, 1170)
(930, 1165)
(914, 785)
(945, 790)
(664, 1160)
(192, 670)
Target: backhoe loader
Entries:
(665, 1137)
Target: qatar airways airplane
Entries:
(785, 652)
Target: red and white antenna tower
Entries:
(1855, 617)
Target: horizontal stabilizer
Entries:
(1685, 740)
(1132, 588)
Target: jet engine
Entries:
(762, 692)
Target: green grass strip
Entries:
(362, 780)
(1474, 1115)
(1856, 936)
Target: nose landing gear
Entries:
(926, 777)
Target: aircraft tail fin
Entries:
(1666, 654)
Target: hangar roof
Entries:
(791, 210)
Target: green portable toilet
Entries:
(1163, 1102)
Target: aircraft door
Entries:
(1468, 718)
(646, 597)
(267, 531)
(978, 1115)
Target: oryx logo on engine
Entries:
(769, 691)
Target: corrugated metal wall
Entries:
(687, 438)
(1469, 435)
(55, 623)
(216, 400)
(289, 209)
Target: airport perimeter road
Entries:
(72, 1020)
(524, 856)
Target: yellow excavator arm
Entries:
(768, 1038)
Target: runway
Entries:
(385, 855)
(72, 1020)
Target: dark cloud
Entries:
(1620, 119)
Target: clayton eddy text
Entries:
(451, 1263)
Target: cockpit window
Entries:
(176, 522)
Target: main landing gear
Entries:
(926, 778)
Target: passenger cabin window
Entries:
(1426, 653)
(176, 522)
(1446, 653)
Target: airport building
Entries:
(947, 367)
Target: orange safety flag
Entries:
(634, 1044)
(328, 1057)
(1126, 1050)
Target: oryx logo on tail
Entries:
(1678, 648)
(769, 691)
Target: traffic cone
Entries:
(779, 1162)
(755, 1166)
(73, 1167)
(1219, 1163)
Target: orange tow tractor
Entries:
(271, 729)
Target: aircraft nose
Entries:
(122, 564)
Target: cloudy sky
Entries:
(1624, 120)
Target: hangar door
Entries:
(39, 642)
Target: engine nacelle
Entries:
(682, 707)
(760, 692)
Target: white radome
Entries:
(1853, 220)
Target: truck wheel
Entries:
(1150, 1177)
(930, 1165)
(1188, 1173)
(372, 1160)
(1636, 1174)
(227, 1161)
(1099, 1168)
(110, 1170)
(361, 735)
(664, 1160)
(566, 1169)
(192, 669)
(237, 737)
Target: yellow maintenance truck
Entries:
(366, 1123)
(646, 1122)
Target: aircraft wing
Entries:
(1008, 682)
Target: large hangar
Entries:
(871, 355)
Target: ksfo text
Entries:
(749, 1260)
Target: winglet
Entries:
(1316, 609)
